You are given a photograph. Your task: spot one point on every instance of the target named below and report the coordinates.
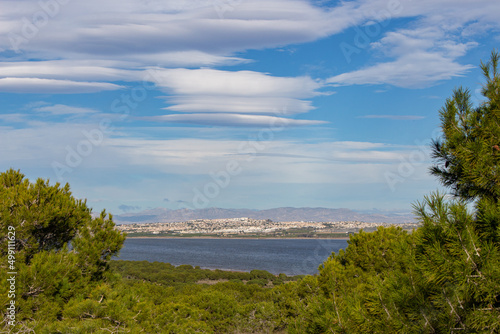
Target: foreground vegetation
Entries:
(442, 278)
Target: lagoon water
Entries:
(288, 256)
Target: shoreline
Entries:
(237, 238)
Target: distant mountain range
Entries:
(278, 214)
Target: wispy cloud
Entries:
(49, 142)
(188, 58)
(423, 57)
(72, 69)
(13, 118)
(233, 120)
(425, 52)
(61, 109)
(51, 86)
(200, 156)
(239, 104)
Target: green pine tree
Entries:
(468, 154)
(458, 247)
(61, 251)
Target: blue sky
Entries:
(140, 104)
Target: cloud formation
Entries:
(52, 86)
(61, 109)
(146, 28)
(422, 58)
(226, 96)
(116, 41)
(234, 120)
(239, 104)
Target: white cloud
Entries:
(270, 162)
(194, 90)
(183, 164)
(412, 71)
(233, 83)
(52, 86)
(428, 50)
(61, 109)
(189, 58)
(262, 105)
(423, 57)
(234, 93)
(13, 118)
(78, 70)
(452, 14)
(234, 120)
(41, 142)
(127, 27)
(262, 161)
(113, 37)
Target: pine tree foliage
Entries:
(461, 267)
(96, 242)
(458, 250)
(44, 217)
(60, 250)
(468, 154)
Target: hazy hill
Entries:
(277, 214)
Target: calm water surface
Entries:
(288, 256)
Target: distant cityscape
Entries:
(241, 227)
